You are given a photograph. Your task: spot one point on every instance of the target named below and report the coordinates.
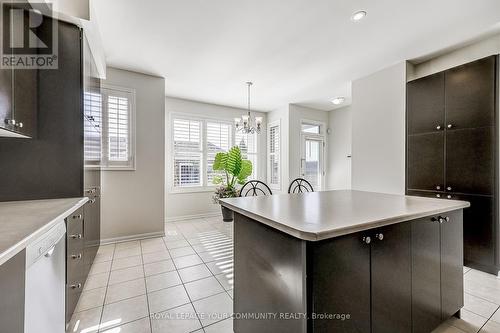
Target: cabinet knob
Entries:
(79, 216)
(443, 219)
(367, 239)
(438, 187)
(438, 195)
(438, 127)
(92, 201)
(379, 236)
(79, 236)
(76, 256)
(19, 125)
(448, 188)
(76, 286)
(11, 122)
(449, 126)
(448, 196)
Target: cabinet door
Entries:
(6, 99)
(452, 285)
(92, 230)
(12, 287)
(425, 161)
(470, 94)
(341, 284)
(470, 161)
(425, 104)
(25, 101)
(426, 273)
(391, 279)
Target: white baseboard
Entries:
(132, 237)
(192, 217)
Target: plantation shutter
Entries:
(187, 152)
(248, 147)
(92, 106)
(274, 155)
(218, 140)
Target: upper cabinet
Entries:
(426, 104)
(18, 85)
(470, 95)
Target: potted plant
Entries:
(236, 171)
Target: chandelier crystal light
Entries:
(246, 124)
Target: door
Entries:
(452, 287)
(425, 104)
(391, 279)
(426, 162)
(426, 272)
(470, 160)
(312, 161)
(470, 94)
(341, 283)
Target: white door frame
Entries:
(322, 157)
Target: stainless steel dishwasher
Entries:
(45, 282)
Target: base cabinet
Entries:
(437, 285)
(12, 286)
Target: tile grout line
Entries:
(146, 289)
(106, 292)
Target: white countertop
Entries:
(23, 221)
(322, 215)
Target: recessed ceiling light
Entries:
(338, 100)
(358, 16)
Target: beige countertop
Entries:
(23, 221)
(322, 215)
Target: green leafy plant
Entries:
(236, 171)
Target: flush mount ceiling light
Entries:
(358, 16)
(338, 100)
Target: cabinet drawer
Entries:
(75, 266)
(74, 222)
(73, 292)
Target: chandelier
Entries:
(246, 124)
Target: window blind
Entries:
(92, 107)
(274, 155)
(248, 147)
(187, 152)
(218, 140)
(118, 128)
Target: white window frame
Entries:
(106, 164)
(276, 123)
(203, 119)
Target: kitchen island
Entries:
(346, 261)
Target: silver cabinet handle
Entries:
(379, 236)
(438, 195)
(19, 125)
(79, 216)
(92, 201)
(10, 122)
(367, 239)
(79, 236)
(76, 286)
(448, 196)
(438, 127)
(448, 188)
(76, 256)
(438, 187)
(449, 126)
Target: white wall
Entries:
(282, 116)
(378, 131)
(133, 201)
(339, 140)
(192, 204)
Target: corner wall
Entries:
(378, 131)
(133, 201)
(340, 146)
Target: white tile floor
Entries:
(183, 283)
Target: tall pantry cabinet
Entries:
(452, 150)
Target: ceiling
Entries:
(295, 51)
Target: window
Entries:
(248, 147)
(274, 155)
(218, 140)
(310, 128)
(187, 153)
(196, 142)
(110, 115)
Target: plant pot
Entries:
(227, 214)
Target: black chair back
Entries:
(300, 185)
(254, 188)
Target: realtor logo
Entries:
(29, 35)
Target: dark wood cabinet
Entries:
(425, 169)
(470, 94)
(6, 77)
(464, 163)
(26, 101)
(12, 290)
(436, 269)
(351, 287)
(391, 279)
(425, 104)
(470, 161)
